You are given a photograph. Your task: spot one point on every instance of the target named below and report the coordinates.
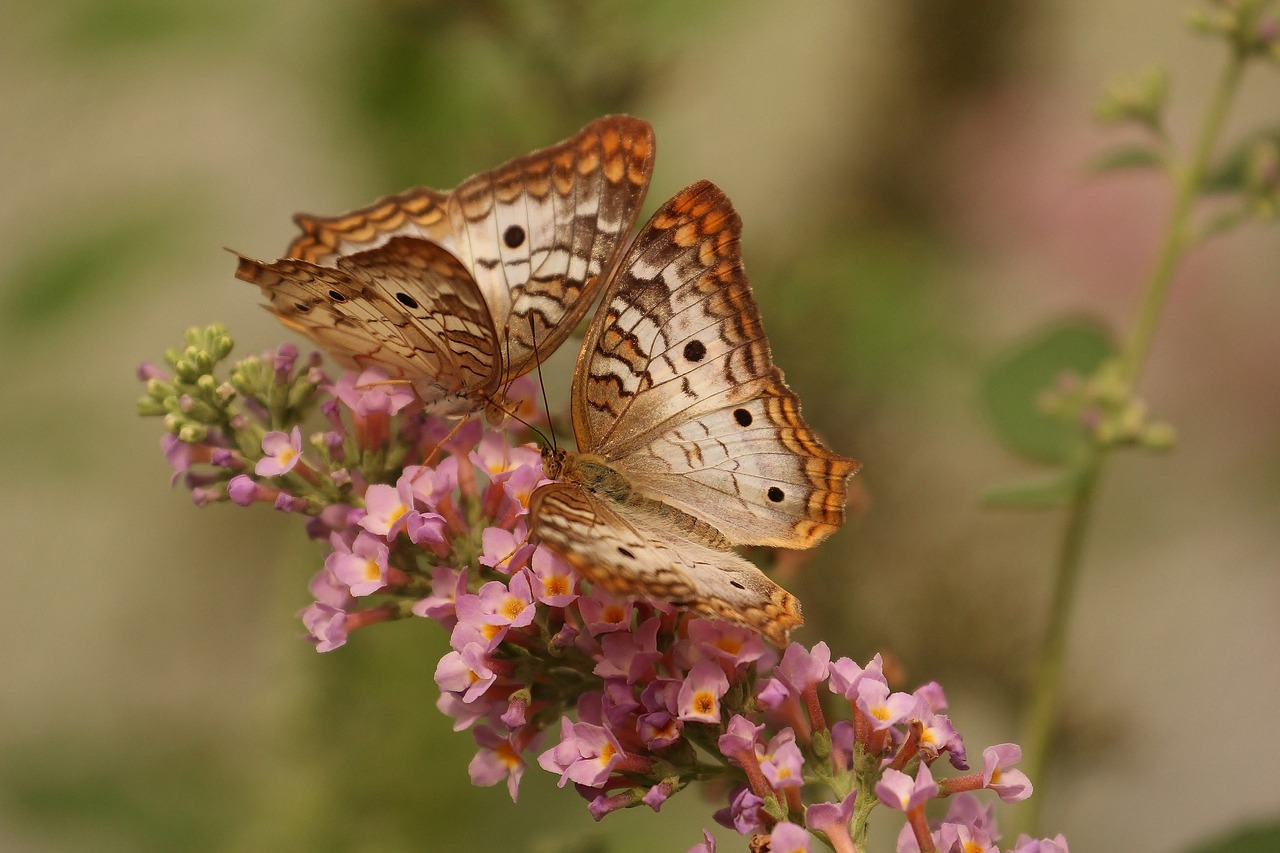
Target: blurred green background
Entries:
(911, 175)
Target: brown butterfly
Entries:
(689, 441)
(460, 292)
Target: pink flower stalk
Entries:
(630, 700)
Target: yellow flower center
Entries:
(704, 702)
(286, 456)
(607, 752)
(880, 712)
(490, 631)
(613, 613)
(371, 570)
(507, 755)
(972, 846)
(555, 585)
(512, 607)
(732, 645)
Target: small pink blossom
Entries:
(1010, 785)
(363, 567)
(701, 693)
(497, 759)
(789, 838)
(282, 453)
(898, 791)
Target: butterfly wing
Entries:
(675, 386)
(640, 555)
(540, 233)
(407, 306)
(419, 212)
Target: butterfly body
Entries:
(458, 293)
(690, 442)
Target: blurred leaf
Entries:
(1052, 493)
(1012, 389)
(1264, 838)
(1231, 173)
(54, 281)
(97, 25)
(1127, 157)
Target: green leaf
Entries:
(1261, 838)
(1057, 491)
(1231, 173)
(1013, 387)
(1127, 157)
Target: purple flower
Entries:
(882, 708)
(586, 754)
(833, 819)
(446, 585)
(511, 604)
(502, 550)
(282, 453)
(371, 392)
(783, 765)
(701, 692)
(466, 672)
(554, 580)
(788, 838)
(603, 613)
(735, 645)
(631, 655)
(326, 626)
(846, 676)
(707, 845)
(743, 812)
(1010, 785)
(362, 567)
(497, 759)
(1026, 844)
(802, 669)
(740, 736)
(898, 791)
(387, 507)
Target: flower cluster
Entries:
(630, 701)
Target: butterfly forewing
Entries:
(539, 232)
(678, 388)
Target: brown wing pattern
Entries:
(407, 306)
(417, 212)
(636, 554)
(540, 232)
(675, 384)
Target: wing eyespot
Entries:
(624, 552)
(406, 300)
(336, 296)
(695, 351)
(513, 236)
(775, 494)
(302, 307)
(743, 417)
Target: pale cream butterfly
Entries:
(458, 293)
(689, 441)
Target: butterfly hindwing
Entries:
(407, 306)
(637, 554)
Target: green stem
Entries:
(1042, 713)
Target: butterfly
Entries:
(458, 293)
(689, 441)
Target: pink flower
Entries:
(603, 613)
(387, 507)
(363, 567)
(554, 581)
(1026, 844)
(846, 676)
(326, 626)
(466, 672)
(788, 838)
(882, 708)
(1010, 785)
(630, 655)
(282, 453)
(707, 845)
(371, 392)
(509, 605)
(743, 812)
(701, 693)
(497, 759)
(586, 754)
(897, 790)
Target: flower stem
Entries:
(1042, 712)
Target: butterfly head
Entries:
(554, 462)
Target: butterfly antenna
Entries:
(514, 416)
(537, 361)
